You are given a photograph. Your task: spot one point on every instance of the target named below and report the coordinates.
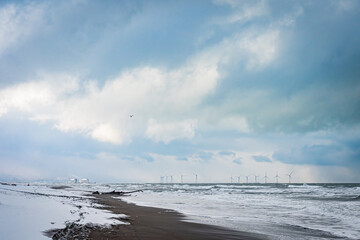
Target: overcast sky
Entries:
(217, 88)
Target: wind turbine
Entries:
(238, 179)
(171, 179)
(247, 178)
(277, 177)
(161, 179)
(231, 179)
(266, 177)
(182, 178)
(166, 179)
(290, 176)
(255, 178)
(196, 176)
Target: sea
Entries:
(279, 211)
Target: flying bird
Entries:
(131, 115)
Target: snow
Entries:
(28, 211)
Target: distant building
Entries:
(73, 181)
(84, 180)
(78, 180)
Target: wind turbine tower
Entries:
(266, 177)
(277, 177)
(196, 178)
(231, 179)
(171, 179)
(247, 179)
(290, 176)
(256, 178)
(182, 178)
(238, 179)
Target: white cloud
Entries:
(289, 19)
(18, 22)
(107, 133)
(170, 131)
(248, 12)
(242, 12)
(261, 49)
(344, 5)
(37, 96)
(103, 113)
(170, 96)
(254, 49)
(234, 122)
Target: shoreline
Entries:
(160, 224)
(146, 223)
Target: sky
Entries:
(218, 89)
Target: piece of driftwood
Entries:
(8, 184)
(118, 193)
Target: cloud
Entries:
(170, 131)
(165, 96)
(37, 97)
(260, 158)
(314, 108)
(267, 81)
(254, 49)
(18, 22)
(106, 133)
(232, 3)
(237, 161)
(334, 154)
(242, 11)
(262, 49)
(226, 153)
(344, 5)
(103, 113)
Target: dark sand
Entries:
(159, 224)
(60, 187)
(146, 223)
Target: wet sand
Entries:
(159, 224)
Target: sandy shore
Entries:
(156, 223)
(147, 223)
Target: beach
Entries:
(174, 211)
(65, 212)
(157, 223)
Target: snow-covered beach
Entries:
(38, 208)
(71, 212)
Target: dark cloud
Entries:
(227, 153)
(205, 155)
(315, 81)
(100, 39)
(148, 158)
(181, 158)
(237, 161)
(260, 158)
(337, 154)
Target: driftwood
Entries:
(118, 193)
(8, 184)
